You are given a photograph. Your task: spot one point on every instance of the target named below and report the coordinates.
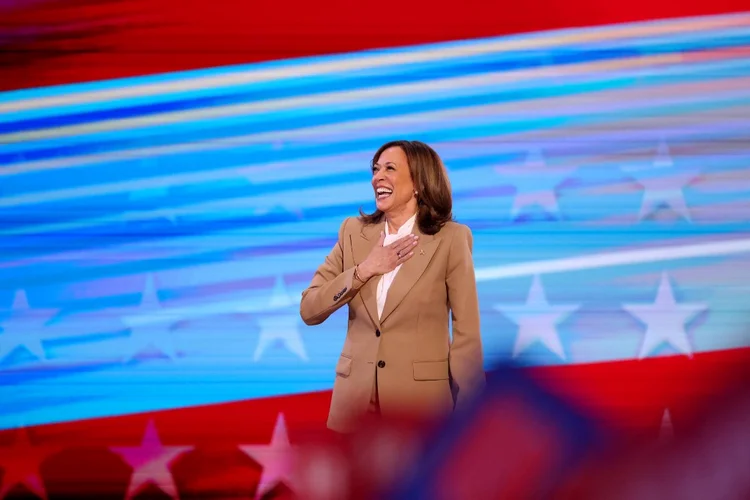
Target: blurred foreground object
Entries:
(711, 460)
(516, 441)
(520, 441)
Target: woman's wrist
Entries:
(361, 273)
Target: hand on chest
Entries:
(383, 294)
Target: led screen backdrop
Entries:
(157, 231)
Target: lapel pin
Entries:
(421, 252)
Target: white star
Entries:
(24, 328)
(283, 328)
(150, 462)
(663, 158)
(662, 184)
(666, 432)
(665, 320)
(275, 458)
(280, 298)
(537, 320)
(149, 327)
(535, 183)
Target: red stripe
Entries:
(633, 395)
(629, 396)
(56, 42)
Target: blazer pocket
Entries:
(431, 370)
(344, 366)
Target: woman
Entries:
(401, 270)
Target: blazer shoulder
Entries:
(458, 236)
(453, 229)
(351, 225)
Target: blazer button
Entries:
(377, 333)
(381, 364)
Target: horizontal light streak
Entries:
(454, 86)
(609, 259)
(306, 68)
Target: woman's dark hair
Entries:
(434, 200)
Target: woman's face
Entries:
(392, 182)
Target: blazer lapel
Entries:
(361, 245)
(410, 272)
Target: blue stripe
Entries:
(66, 210)
(672, 74)
(318, 118)
(296, 88)
(483, 64)
(134, 232)
(568, 236)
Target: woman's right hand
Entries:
(384, 259)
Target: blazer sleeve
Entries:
(332, 286)
(466, 353)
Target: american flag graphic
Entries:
(156, 232)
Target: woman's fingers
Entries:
(404, 244)
(401, 250)
(405, 255)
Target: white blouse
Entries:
(387, 279)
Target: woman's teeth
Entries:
(382, 193)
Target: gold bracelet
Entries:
(356, 274)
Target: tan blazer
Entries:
(418, 368)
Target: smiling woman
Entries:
(405, 271)
(409, 178)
